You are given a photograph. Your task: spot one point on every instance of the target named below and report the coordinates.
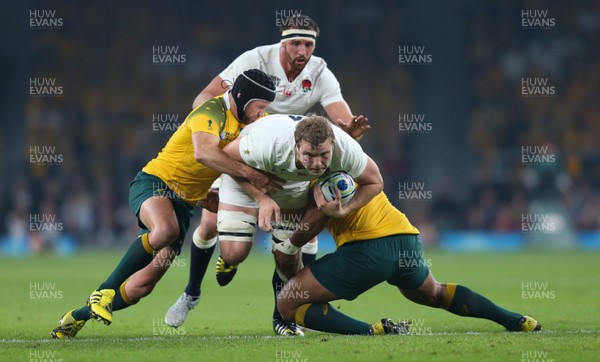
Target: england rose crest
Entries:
(306, 85)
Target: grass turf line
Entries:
(234, 321)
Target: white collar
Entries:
(226, 99)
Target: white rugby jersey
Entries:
(315, 84)
(268, 145)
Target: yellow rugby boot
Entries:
(68, 327)
(528, 324)
(225, 272)
(100, 302)
(387, 326)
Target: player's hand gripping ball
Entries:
(337, 180)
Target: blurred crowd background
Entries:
(103, 124)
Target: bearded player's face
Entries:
(298, 52)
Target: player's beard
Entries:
(293, 62)
(299, 66)
(247, 119)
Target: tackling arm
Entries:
(207, 152)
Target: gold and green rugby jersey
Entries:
(378, 218)
(176, 165)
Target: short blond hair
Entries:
(315, 130)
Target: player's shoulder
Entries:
(280, 121)
(274, 125)
(318, 65)
(318, 61)
(284, 117)
(214, 108)
(262, 51)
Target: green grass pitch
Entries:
(561, 290)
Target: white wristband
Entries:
(287, 247)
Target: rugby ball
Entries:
(337, 180)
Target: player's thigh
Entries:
(157, 212)
(208, 225)
(412, 269)
(158, 209)
(354, 268)
(236, 226)
(168, 220)
(148, 202)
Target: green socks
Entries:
(465, 302)
(323, 317)
(139, 254)
(82, 313)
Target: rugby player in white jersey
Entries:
(303, 80)
(296, 149)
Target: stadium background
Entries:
(497, 168)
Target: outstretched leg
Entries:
(166, 221)
(462, 301)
